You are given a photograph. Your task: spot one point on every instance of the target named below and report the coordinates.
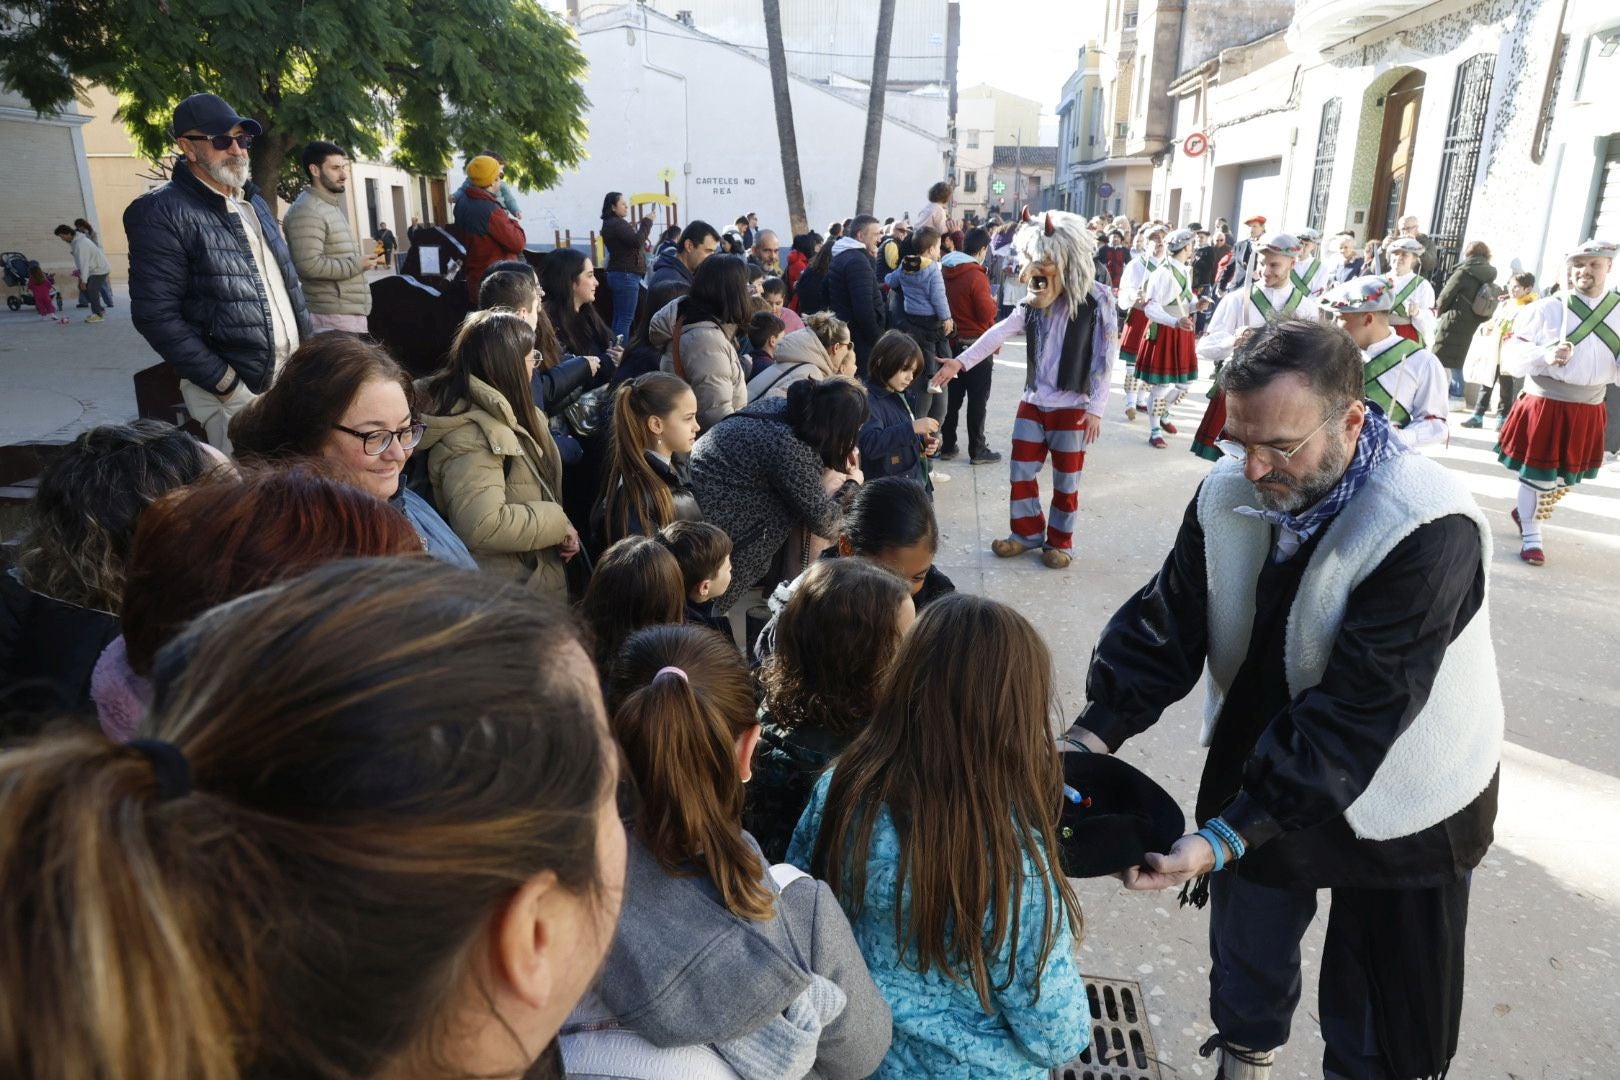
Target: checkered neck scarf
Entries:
(1376, 445)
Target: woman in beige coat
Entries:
(698, 333)
(819, 351)
(497, 478)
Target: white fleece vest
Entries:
(1447, 755)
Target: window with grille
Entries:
(1606, 208)
(1327, 143)
(1459, 162)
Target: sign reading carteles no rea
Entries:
(724, 185)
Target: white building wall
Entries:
(682, 101)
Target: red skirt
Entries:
(1405, 330)
(1133, 336)
(1548, 441)
(1210, 428)
(1169, 355)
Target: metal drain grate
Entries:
(1121, 1043)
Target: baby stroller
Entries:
(15, 266)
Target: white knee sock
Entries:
(1529, 527)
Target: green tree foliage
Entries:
(428, 76)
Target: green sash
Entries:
(1267, 311)
(1310, 275)
(1183, 300)
(1374, 390)
(1592, 321)
(1405, 294)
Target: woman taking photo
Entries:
(344, 401)
(720, 967)
(648, 482)
(698, 333)
(568, 301)
(626, 258)
(809, 290)
(491, 458)
(782, 463)
(819, 351)
(371, 833)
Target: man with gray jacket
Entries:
(324, 247)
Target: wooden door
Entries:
(1396, 145)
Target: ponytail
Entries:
(681, 699)
(631, 490)
(116, 958)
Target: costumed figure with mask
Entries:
(1279, 294)
(1567, 350)
(1149, 254)
(1071, 339)
(1405, 380)
(1169, 357)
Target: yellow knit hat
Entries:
(483, 171)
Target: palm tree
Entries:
(780, 92)
(866, 190)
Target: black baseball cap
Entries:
(209, 114)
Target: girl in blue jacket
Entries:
(893, 440)
(936, 831)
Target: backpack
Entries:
(1485, 300)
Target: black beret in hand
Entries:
(1121, 817)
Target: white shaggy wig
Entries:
(1064, 239)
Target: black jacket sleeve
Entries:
(1151, 653)
(1318, 756)
(552, 388)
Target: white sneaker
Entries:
(940, 477)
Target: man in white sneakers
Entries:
(1403, 379)
(1327, 587)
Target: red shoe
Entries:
(1158, 443)
(1168, 428)
(1514, 514)
(1533, 556)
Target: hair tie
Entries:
(169, 765)
(672, 670)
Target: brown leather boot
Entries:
(1056, 558)
(1008, 548)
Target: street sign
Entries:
(999, 187)
(1195, 144)
(1105, 190)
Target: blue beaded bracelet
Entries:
(1229, 834)
(1215, 843)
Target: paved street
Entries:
(1542, 991)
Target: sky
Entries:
(1026, 47)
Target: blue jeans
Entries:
(626, 289)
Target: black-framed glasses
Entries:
(223, 142)
(1275, 455)
(377, 442)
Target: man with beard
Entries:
(324, 248)
(1328, 586)
(212, 286)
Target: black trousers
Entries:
(1391, 980)
(973, 385)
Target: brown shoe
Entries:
(1056, 558)
(1008, 548)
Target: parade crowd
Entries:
(402, 727)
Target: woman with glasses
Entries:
(494, 466)
(819, 351)
(343, 400)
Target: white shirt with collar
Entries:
(1420, 385)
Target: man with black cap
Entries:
(212, 284)
(1328, 588)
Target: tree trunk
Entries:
(798, 220)
(268, 156)
(866, 190)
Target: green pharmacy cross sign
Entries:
(999, 187)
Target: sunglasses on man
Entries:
(223, 142)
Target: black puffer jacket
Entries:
(194, 292)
